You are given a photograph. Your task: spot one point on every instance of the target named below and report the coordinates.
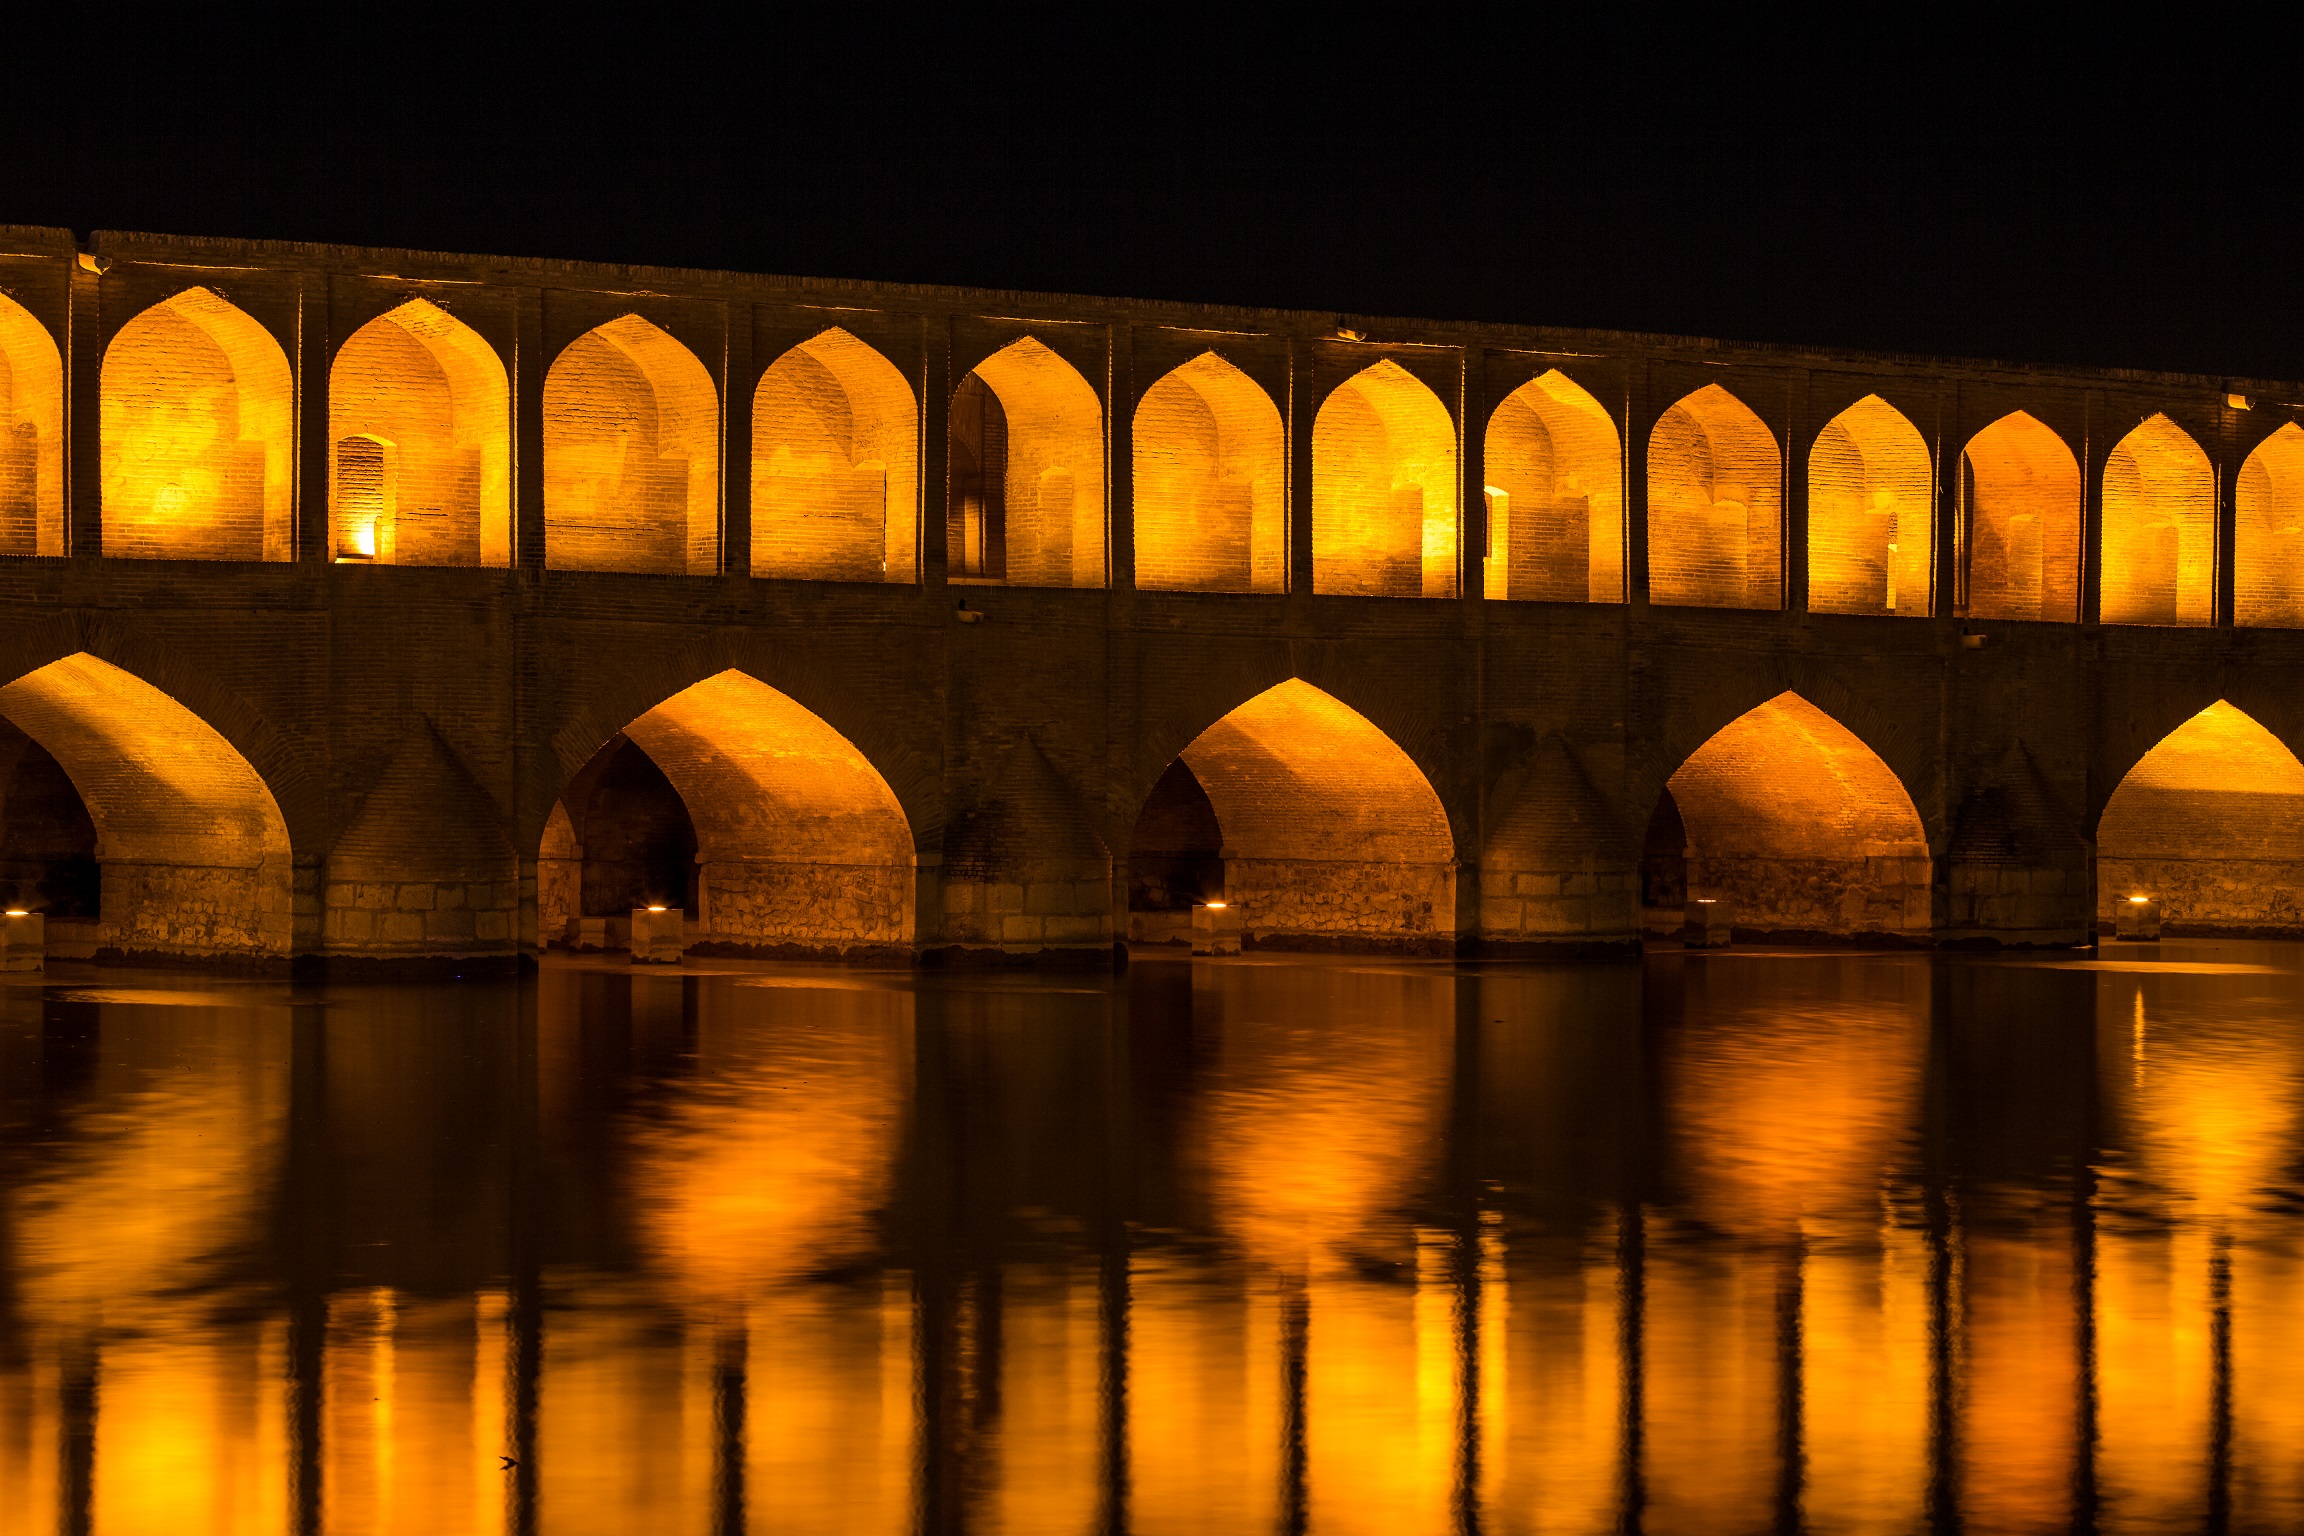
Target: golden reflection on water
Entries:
(1856, 1244)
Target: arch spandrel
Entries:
(198, 418)
(2159, 532)
(835, 465)
(1384, 486)
(631, 454)
(2268, 541)
(420, 455)
(1210, 482)
(1555, 495)
(1871, 514)
(32, 447)
(1715, 505)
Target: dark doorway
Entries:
(1176, 857)
(1664, 865)
(47, 840)
(976, 518)
(639, 845)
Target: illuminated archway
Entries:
(2020, 523)
(792, 839)
(835, 465)
(2210, 821)
(2159, 528)
(2268, 543)
(1026, 499)
(1555, 496)
(420, 434)
(1300, 812)
(192, 849)
(631, 455)
(1384, 488)
(32, 451)
(1871, 511)
(1211, 478)
(1801, 827)
(1715, 506)
(198, 430)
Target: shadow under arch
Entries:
(631, 454)
(2211, 822)
(1786, 814)
(835, 465)
(1384, 517)
(1210, 482)
(420, 434)
(31, 435)
(192, 850)
(734, 801)
(197, 427)
(1299, 811)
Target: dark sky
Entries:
(2085, 190)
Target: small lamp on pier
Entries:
(659, 934)
(1707, 922)
(1215, 928)
(23, 940)
(2137, 917)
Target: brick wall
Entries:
(2021, 505)
(1555, 479)
(835, 465)
(2159, 528)
(198, 445)
(2268, 540)
(1715, 505)
(1055, 467)
(1871, 514)
(32, 453)
(2210, 821)
(631, 454)
(1384, 488)
(420, 435)
(1210, 483)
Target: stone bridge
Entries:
(387, 606)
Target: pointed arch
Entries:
(1026, 498)
(1790, 817)
(2211, 822)
(798, 842)
(1871, 514)
(835, 465)
(1715, 505)
(31, 435)
(1384, 488)
(631, 454)
(198, 417)
(2019, 523)
(1555, 495)
(2268, 543)
(1327, 832)
(193, 851)
(1210, 482)
(420, 435)
(2159, 528)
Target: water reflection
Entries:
(1724, 1243)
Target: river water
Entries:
(1730, 1242)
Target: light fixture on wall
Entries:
(2136, 918)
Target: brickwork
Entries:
(1715, 505)
(1555, 496)
(2020, 491)
(284, 753)
(2159, 528)
(2211, 822)
(2268, 539)
(198, 435)
(32, 454)
(1384, 488)
(835, 465)
(631, 454)
(1210, 483)
(1871, 514)
(420, 435)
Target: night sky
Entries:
(2095, 191)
